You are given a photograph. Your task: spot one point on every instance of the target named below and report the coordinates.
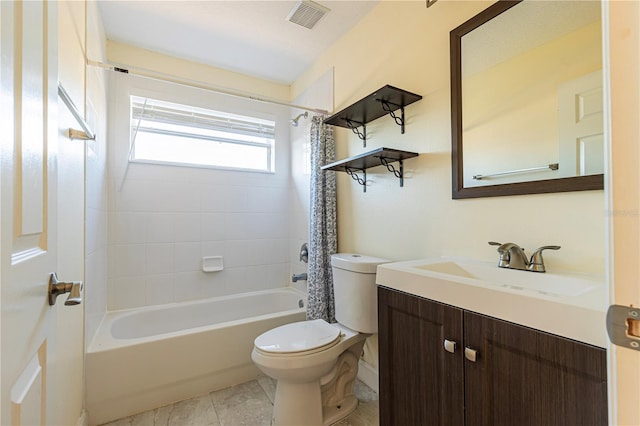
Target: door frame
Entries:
(621, 70)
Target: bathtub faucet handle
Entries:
(304, 253)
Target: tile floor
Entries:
(247, 404)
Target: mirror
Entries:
(526, 99)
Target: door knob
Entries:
(57, 288)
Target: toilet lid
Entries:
(298, 337)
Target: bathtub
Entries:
(145, 358)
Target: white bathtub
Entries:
(145, 358)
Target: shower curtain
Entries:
(323, 241)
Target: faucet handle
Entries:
(503, 262)
(506, 246)
(539, 250)
(536, 264)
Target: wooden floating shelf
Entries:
(357, 165)
(386, 100)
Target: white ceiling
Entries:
(246, 36)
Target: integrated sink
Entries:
(489, 274)
(566, 304)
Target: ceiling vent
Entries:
(307, 13)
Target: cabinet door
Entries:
(420, 382)
(526, 377)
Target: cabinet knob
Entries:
(470, 354)
(449, 346)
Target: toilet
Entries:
(316, 363)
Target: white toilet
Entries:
(316, 363)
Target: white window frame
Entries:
(205, 123)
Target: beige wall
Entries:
(407, 45)
(404, 44)
(129, 56)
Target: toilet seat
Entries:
(299, 338)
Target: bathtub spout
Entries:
(298, 277)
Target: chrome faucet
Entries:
(297, 277)
(512, 256)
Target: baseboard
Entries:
(368, 374)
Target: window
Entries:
(169, 133)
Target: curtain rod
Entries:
(200, 85)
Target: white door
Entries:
(623, 182)
(29, 214)
(580, 128)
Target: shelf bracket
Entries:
(397, 173)
(353, 125)
(390, 108)
(354, 175)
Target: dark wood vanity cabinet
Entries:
(420, 382)
(520, 376)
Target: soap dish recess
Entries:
(212, 263)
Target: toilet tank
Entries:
(355, 290)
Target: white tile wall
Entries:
(187, 256)
(159, 289)
(158, 227)
(164, 219)
(96, 183)
(160, 258)
(213, 226)
(130, 260)
(156, 254)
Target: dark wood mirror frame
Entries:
(578, 183)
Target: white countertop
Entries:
(580, 317)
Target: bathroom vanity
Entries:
(454, 350)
